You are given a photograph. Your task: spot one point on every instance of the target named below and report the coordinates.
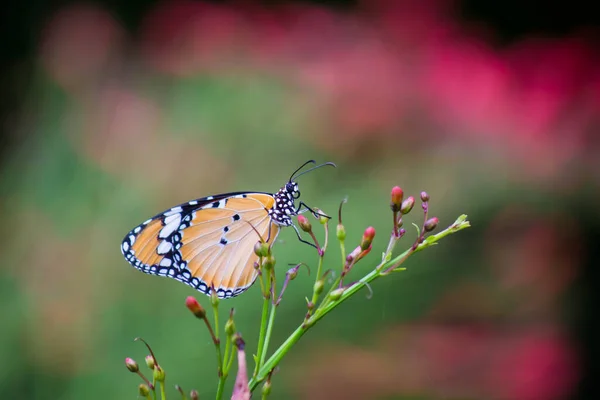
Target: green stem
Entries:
(153, 388)
(262, 332)
(268, 334)
(325, 308)
(163, 394)
(231, 357)
(220, 388)
(277, 356)
(315, 296)
(228, 347)
(222, 377)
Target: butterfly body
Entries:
(208, 243)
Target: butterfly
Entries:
(208, 243)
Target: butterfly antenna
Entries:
(310, 169)
(302, 166)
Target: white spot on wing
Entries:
(125, 246)
(193, 202)
(171, 224)
(165, 262)
(164, 247)
(131, 239)
(174, 210)
(173, 217)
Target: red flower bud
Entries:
(304, 224)
(367, 238)
(131, 365)
(150, 361)
(431, 224)
(192, 304)
(407, 205)
(424, 196)
(397, 195)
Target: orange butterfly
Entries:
(209, 242)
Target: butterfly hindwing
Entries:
(205, 243)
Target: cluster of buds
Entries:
(264, 266)
(158, 373)
(360, 251)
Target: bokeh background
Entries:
(114, 111)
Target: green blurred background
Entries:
(115, 112)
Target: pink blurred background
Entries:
(405, 92)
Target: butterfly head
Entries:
(284, 207)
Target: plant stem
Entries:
(315, 296)
(263, 325)
(163, 394)
(222, 377)
(268, 334)
(220, 388)
(326, 307)
(228, 347)
(262, 334)
(277, 356)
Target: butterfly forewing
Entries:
(205, 243)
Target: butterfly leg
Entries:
(307, 208)
(300, 237)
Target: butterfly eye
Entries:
(290, 187)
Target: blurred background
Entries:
(114, 111)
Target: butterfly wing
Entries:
(205, 243)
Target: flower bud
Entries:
(194, 395)
(424, 196)
(159, 374)
(319, 286)
(266, 389)
(230, 325)
(261, 249)
(192, 304)
(340, 232)
(367, 238)
(214, 297)
(143, 390)
(150, 361)
(407, 205)
(268, 262)
(131, 365)
(397, 195)
(336, 294)
(431, 224)
(292, 273)
(304, 224)
(321, 216)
